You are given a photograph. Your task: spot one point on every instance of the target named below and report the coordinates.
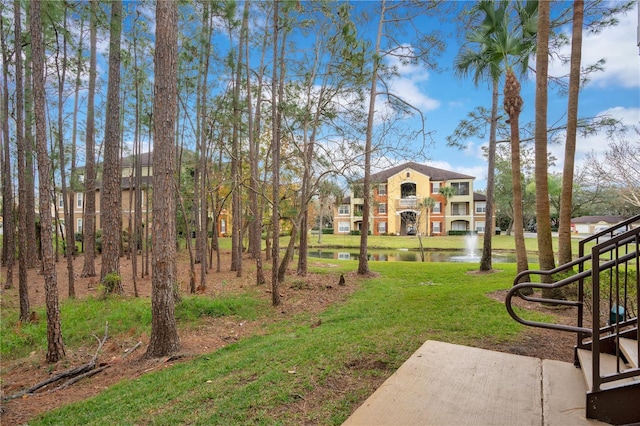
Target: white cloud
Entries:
(408, 85)
(597, 144)
(617, 45)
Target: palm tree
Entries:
(447, 192)
(510, 45)
(545, 247)
(564, 230)
(428, 204)
(483, 65)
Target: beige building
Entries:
(398, 196)
(126, 184)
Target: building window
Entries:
(435, 227)
(343, 227)
(481, 207)
(480, 227)
(343, 210)
(459, 209)
(459, 225)
(223, 226)
(437, 208)
(382, 227)
(382, 209)
(79, 200)
(408, 174)
(435, 188)
(60, 201)
(382, 189)
(79, 226)
(462, 188)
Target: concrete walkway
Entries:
(445, 384)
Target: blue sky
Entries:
(445, 99)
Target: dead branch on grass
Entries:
(73, 374)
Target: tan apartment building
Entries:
(127, 184)
(398, 196)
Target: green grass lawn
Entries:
(295, 373)
(457, 242)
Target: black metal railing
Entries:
(607, 283)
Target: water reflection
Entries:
(411, 256)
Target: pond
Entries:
(412, 255)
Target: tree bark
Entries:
(164, 335)
(275, 165)
(55, 345)
(486, 260)
(8, 237)
(513, 106)
(21, 142)
(111, 198)
(545, 247)
(66, 200)
(32, 253)
(363, 262)
(566, 199)
(89, 225)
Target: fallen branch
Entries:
(80, 377)
(71, 373)
(129, 351)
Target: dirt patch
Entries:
(539, 342)
(123, 357)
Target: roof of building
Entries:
(477, 196)
(433, 172)
(145, 159)
(598, 219)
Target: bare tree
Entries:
(164, 335)
(55, 345)
(621, 167)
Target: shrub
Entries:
(453, 232)
(111, 283)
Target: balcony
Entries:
(410, 202)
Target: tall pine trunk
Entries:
(21, 142)
(363, 262)
(275, 164)
(111, 198)
(164, 336)
(55, 345)
(66, 200)
(89, 225)
(8, 216)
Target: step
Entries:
(608, 365)
(629, 348)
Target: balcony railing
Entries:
(407, 202)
